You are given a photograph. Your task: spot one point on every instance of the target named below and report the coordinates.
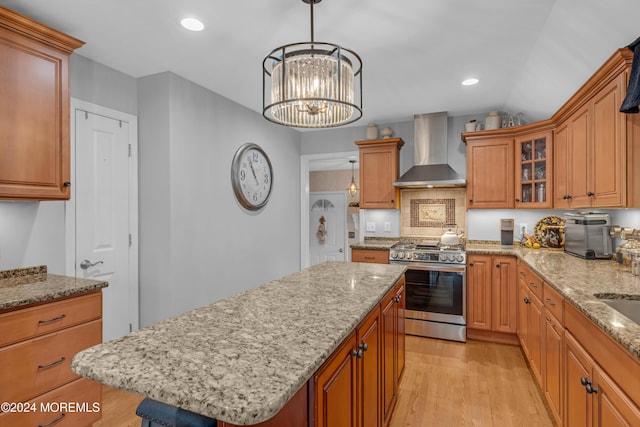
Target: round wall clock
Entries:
(251, 176)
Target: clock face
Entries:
(251, 176)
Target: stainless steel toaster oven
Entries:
(587, 235)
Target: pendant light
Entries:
(353, 187)
(312, 84)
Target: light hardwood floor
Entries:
(445, 384)
(467, 384)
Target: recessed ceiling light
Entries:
(470, 82)
(192, 24)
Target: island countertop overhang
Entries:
(241, 359)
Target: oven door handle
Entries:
(459, 270)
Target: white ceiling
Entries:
(530, 55)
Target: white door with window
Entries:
(105, 209)
(327, 226)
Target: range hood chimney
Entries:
(431, 168)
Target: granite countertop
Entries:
(32, 285)
(241, 359)
(376, 243)
(579, 280)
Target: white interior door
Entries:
(102, 213)
(327, 226)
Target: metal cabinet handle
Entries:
(590, 193)
(590, 389)
(527, 300)
(364, 346)
(53, 319)
(497, 265)
(66, 184)
(533, 285)
(584, 381)
(85, 264)
(357, 353)
(551, 303)
(54, 363)
(53, 422)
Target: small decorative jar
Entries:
(470, 126)
(372, 131)
(386, 132)
(492, 121)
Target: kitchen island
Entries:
(241, 359)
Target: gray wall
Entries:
(197, 244)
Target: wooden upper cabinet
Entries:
(596, 145)
(379, 169)
(609, 144)
(34, 109)
(490, 173)
(534, 170)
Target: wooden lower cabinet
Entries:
(491, 297)
(553, 367)
(368, 363)
(358, 384)
(37, 344)
(530, 320)
(602, 379)
(334, 387)
(370, 255)
(49, 410)
(393, 347)
(592, 397)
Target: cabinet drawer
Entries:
(370, 255)
(554, 302)
(85, 396)
(41, 364)
(531, 280)
(31, 322)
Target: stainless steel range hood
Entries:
(431, 168)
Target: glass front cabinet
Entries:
(533, 171)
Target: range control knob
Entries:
(459, 258)
(393, 254)
(442, 257)
(401, 255)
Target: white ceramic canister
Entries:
(492, 121)
(386, 132)
(372, 131)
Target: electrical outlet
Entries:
(387, 226)
(371, 226)
(523, 229)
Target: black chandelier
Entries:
(312, 84)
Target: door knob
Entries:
(85, 264)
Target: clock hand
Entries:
(253, 172)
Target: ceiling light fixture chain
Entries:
(312, 84)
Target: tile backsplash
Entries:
(424, 212)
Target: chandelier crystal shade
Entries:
(312, 84)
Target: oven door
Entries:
(436, 292)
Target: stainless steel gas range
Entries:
(436, 302)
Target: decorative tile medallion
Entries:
(432, 212)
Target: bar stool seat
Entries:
(158, 414)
